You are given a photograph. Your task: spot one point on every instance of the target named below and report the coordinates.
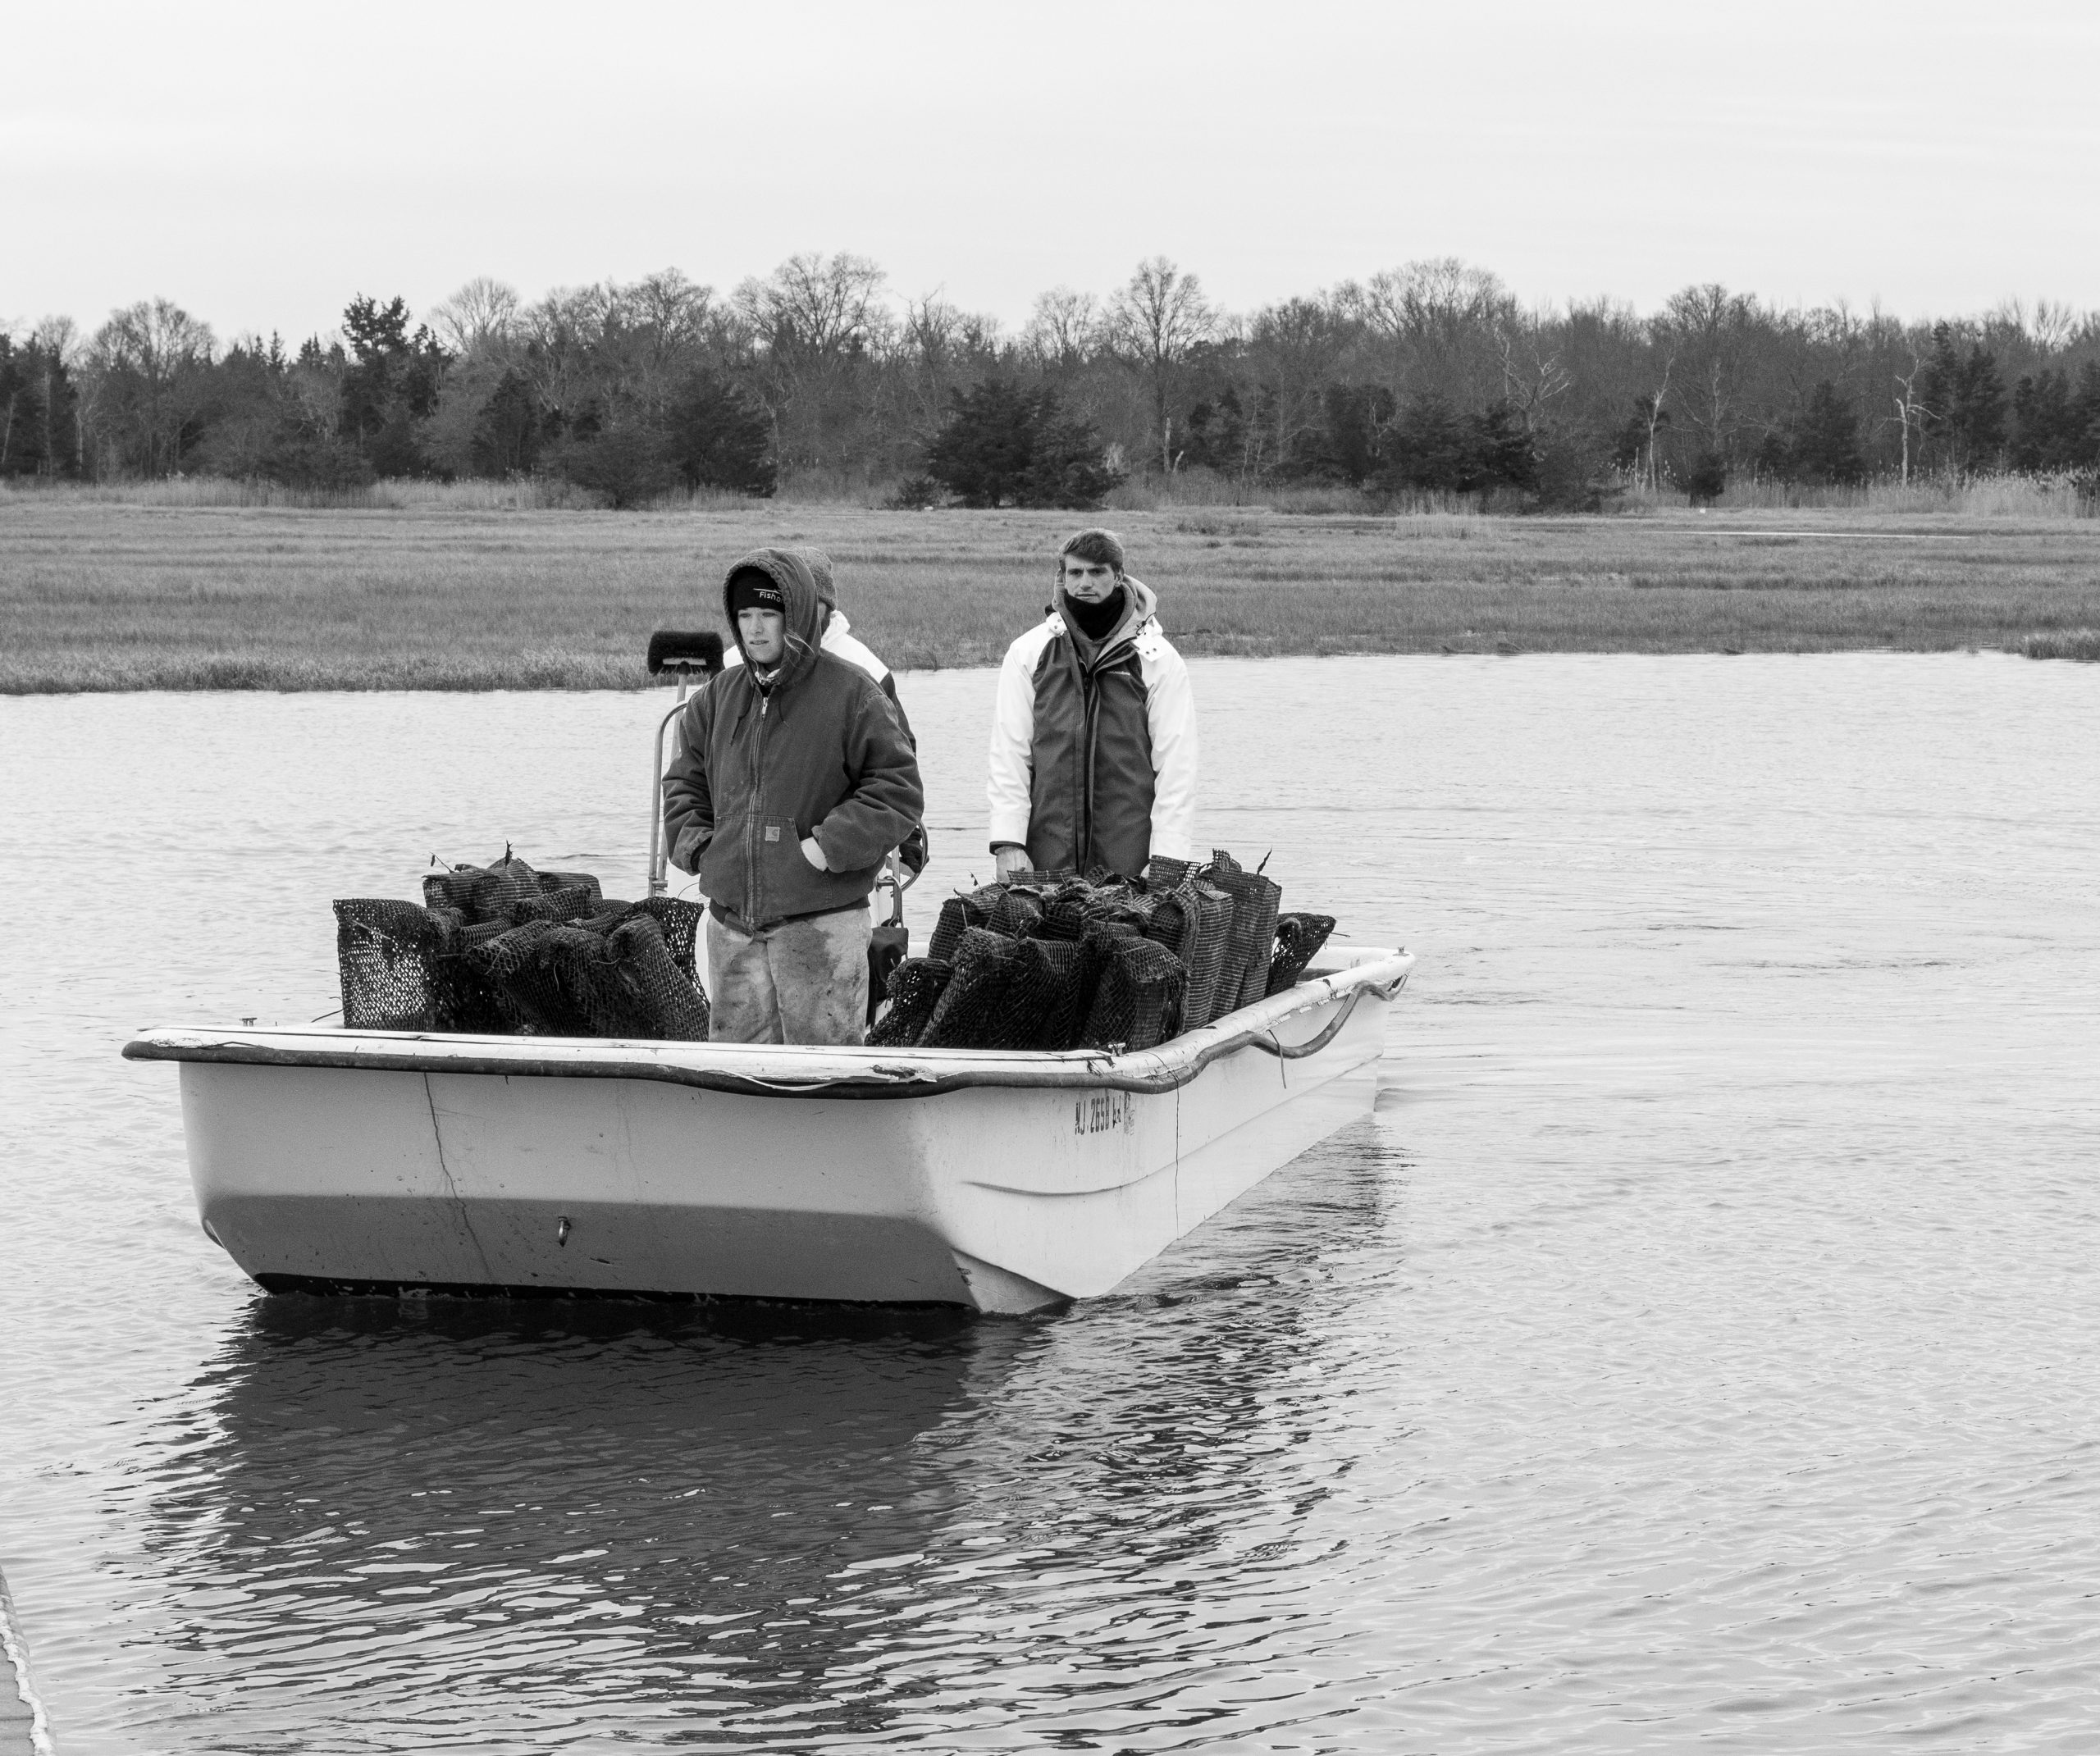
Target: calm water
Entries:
(1697, 1348)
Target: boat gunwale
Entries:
(861, 1073)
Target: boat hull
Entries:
(1006, 1184)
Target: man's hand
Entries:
(813, 852)
(1008, 859)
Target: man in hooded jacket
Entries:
(792, 778)
(1093, 734)
(838, 638)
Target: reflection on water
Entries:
(733, 1526)
(1693, 1349)
(554, 1508)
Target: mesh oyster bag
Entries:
(1298, 940)
(1243, 976)
(961, 912)
(1136, 997)
(1213, 910)
(504, 956)
(492, 892)
(1018, 913)
(915, 987)
(569, 981)
(1011, 994)
(387, 952)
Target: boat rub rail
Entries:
(876, 1074)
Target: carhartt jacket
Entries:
(815, 750)
(1093, 745)
(839, 639)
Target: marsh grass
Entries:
(99, 593)
(2027, 497)
(2082, 644)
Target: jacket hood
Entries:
(804, 615)
(1140, 605)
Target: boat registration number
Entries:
(1105, 1113)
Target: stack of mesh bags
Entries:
(504, 949)
(1048, 960)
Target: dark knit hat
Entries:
(750, 589)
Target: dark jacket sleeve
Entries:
(688, 800)
(913, 850)
(883, 804)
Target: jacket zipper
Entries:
(754, 819)
(1090, 696)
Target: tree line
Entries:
(1431, 377)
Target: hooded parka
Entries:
(813, 749)
(1093, 743)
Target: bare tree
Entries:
(482, 312)
(1157, 318)
(1532, 376)
(1909, 412)
(820, 327)
(822, 305)
(1064, 332)
(1708, 331)
(1654, 404)
(145, 369)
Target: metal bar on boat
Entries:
(900, 1077)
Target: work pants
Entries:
(803, 981)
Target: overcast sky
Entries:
(260, 163)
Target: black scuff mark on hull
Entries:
(451, 1189)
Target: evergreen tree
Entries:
(1003, 444)
(2047, 429)
(1821, 445)
(717, 439)
(509, 429)
(1964, 399)
(1504, 455)
(624, 455)
(391, 383)
(1707, 479)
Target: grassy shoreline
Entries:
(98, 595)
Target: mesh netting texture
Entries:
(1049, 961)
(1298, 940)
(1009, 993)
(1250, 940)
(1137, 996)
(505, 950)
(915, 987)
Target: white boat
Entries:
(405, 1163)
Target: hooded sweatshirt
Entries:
(838, 638)
(1093, 743)
(813, 749)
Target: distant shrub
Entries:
(1707, 479)
(714, 439)
(1003, 444)
(915, 494)
(305, 460)
(625, 458)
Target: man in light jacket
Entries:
(792, 780)
(1093, 735)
